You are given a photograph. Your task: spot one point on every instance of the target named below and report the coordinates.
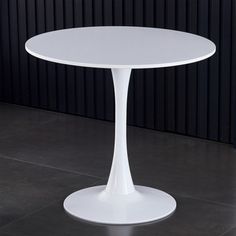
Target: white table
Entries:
(121, 49)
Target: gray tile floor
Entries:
(44, 156)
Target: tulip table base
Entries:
(120, 202)
(143, 205)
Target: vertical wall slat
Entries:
(192, 15)
(6, 53)
(79, 71)
(181, 24)
(170, 72)
(109, 103)
(70, 70)
(139, 74)
(225, 52)
(43, 93)
(1, 56)
(14, 45)
(99, 73)
(149, 110)
(89, 72)
(128, 21)
(233, 75)
(118, 12)
(51, 67)
(33, 66)
(160, 78)
(213, 109)
(22, 24)
(202, 108)
(60, 69)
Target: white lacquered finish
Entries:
(121, 49)
(141, 206)
(120, 202)
(120, 180)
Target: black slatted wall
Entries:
(197, 100)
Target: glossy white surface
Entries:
(120, 47)
(143, 205)
(120, 180)
(120, 202)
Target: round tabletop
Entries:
(120, 47)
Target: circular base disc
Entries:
(144, 205)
